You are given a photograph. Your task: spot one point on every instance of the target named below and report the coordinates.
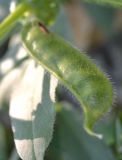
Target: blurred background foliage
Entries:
(97, 30)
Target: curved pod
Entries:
(73, 68)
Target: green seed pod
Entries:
(73, 68)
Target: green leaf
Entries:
(32, 113)
(103, 16)
(71, 142)
(115, 3)
(118, 135)
(3, 146)
(107, 128)
(14, 155)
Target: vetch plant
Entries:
(33, 101)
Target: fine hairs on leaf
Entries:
(73, 68)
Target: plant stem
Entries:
(12, 18)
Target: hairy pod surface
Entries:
(73, 68)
